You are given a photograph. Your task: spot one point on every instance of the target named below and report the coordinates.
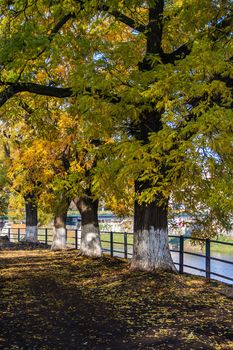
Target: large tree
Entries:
(14, 140)
(162, 71)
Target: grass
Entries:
(222, 248)
(59, 300)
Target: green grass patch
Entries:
(223, 248)
(199, 247)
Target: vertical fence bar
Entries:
(66, 235)
(125, 246)
(181, 255)
(18, 234)
(46, 236)
(111, 243)
(76, 239)
(207, 256)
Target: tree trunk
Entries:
(59, 236)
(90, 234)
(150, 249)
(31, 218)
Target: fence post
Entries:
(76, 239)
(66, 235)
(181, 255)
(18, 234)
(125, 245)
(111, 243)
(207, 256)
(46, 236)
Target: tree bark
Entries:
(90, 234)
(59, 236)
(151, 249)
(31, 218)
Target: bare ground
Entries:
(57, 300)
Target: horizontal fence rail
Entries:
(120, 244)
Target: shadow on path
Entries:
(60, 301)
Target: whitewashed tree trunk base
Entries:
(59, 239)
(90, 241)
(30, 234)
(151, 251)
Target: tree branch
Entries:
(124, 19)
(60, 24)
(118, 15)
(180, 53)
(185, 49)
(15, 88)
(52, 91)
(54, 31)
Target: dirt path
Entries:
(60, 301)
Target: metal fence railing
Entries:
(120, 244)
(204, 250)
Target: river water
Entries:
(218, 267)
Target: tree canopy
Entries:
(154, 77)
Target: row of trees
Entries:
(49, 171)
(120, 100)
